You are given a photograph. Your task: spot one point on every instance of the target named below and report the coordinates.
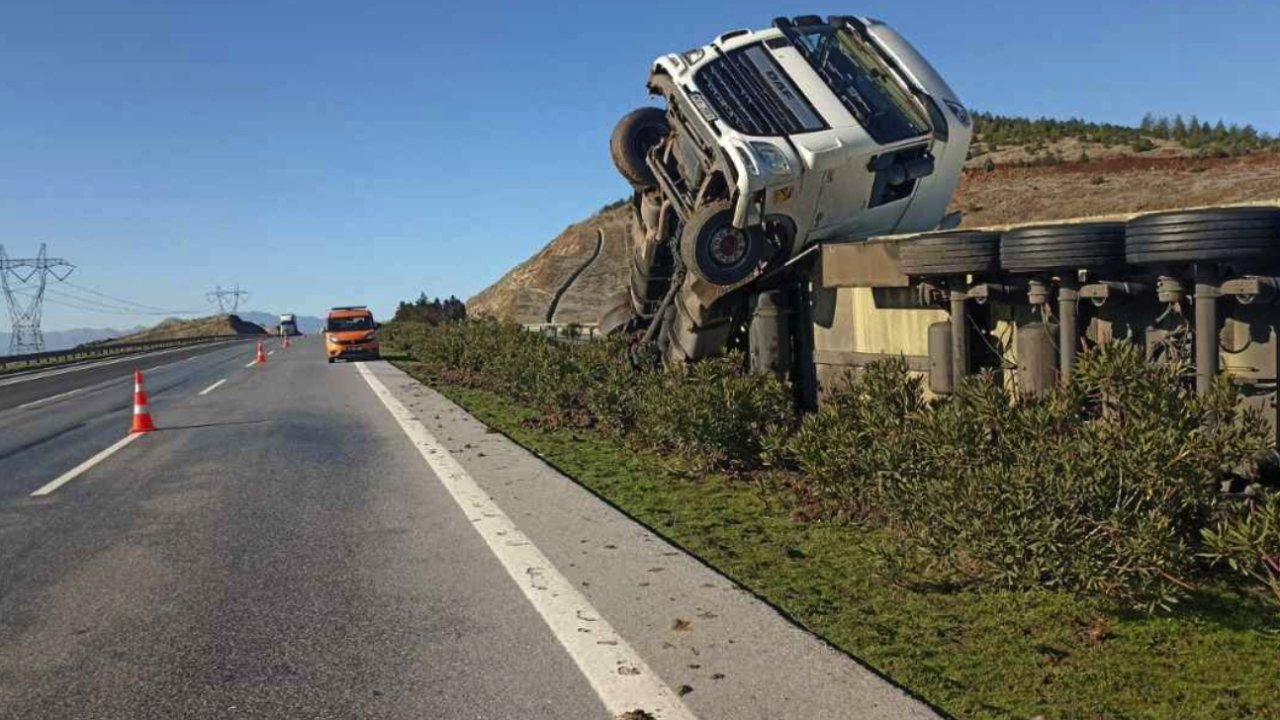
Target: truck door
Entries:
(868, 194)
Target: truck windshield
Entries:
(864, 83)
(347, 324)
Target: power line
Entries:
(25, 295)
(88, 308)
(80, 303)
(131, 303)
(124, 308)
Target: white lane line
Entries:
(252, 363)
(51, 398)
(618, 674)
(271, 352)
(212, 387)
(76, 471)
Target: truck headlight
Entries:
(772, 160)
(333, 339)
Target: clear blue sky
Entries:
(324, 152)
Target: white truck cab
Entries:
(288, 325)
(774, 139)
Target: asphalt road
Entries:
(297, 540)
(34, 386)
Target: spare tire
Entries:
(950, 253)
(1081, 246)
(1214, 235)
(635, 134)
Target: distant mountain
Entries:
(307, 324)
(67, 339)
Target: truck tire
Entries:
(635, 134)
(950, 253)
(683, 340)
(716, 251)
(1216, 235)
(1082, 246)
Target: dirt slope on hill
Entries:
(1115, 185)
(525, 293)
(173, 328)
(1112, 180)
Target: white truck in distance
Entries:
(289, 325)
(772, 140)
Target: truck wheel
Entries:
(1082, 246)
(682, 339)
(1217, 235)
(715, 250)
(651, 269)
(635, 134)
(950, 253)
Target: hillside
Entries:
(173, 328)
(525, 293)
(1019, 170)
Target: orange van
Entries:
(350, 332)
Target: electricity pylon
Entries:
(228, 300)
(24, 280)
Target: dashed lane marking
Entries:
(78, 470)
(51, 398)
(212, 387)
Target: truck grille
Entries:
(741, 96)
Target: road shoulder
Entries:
(731, 654)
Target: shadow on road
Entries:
(171, 428)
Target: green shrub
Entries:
(861, 430)
(1142, 144)
(713, 412)
(1098, 488)
(1101, 487)
(1247, 539)
(1104, 487)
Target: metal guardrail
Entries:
(566, 331)
(104, 349)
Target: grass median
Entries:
(988, 654)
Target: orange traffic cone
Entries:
(141, 415)
(286, 342)
(262, 356)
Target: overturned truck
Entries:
(1200, 286)
(791, 201)
(770, 142)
